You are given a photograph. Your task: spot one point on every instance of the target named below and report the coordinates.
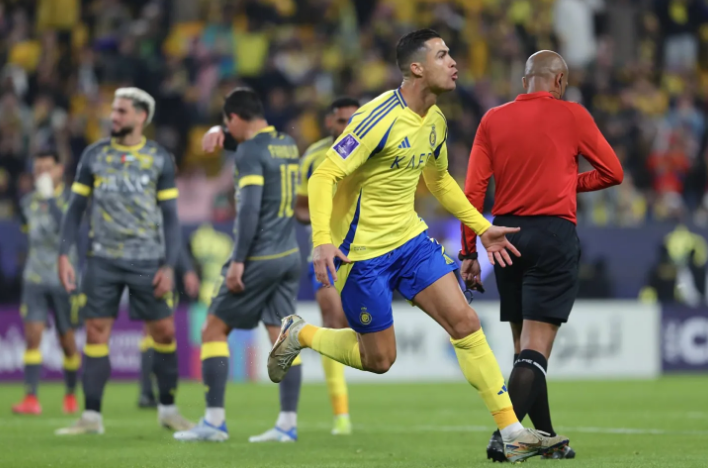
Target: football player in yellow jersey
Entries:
(340, 111)
(382, 243)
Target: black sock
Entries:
(166, 371)
(97, 370)
(516, 356)
(290, 389)
(70, 379)
(540, 411)
(146, 365)
(32, 373)
(215, 373)
(526, 380)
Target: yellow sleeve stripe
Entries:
(81, 189)
(250, 180)
(167, 194)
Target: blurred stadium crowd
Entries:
(640, 67)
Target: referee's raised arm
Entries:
(531, 147)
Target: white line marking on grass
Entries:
(586, 430)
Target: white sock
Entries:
(510, 432)
(91, 415)
(215, 416)
(166, 410)
(286, 420)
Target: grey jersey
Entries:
(270, 159)
(126, 183)
(41, 220)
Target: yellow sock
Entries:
(340, 345)
(336, 385)
(482, 371)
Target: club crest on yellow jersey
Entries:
(433, 138)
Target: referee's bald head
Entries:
(546, 71)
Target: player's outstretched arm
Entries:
(449, 194)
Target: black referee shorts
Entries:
(542, 284)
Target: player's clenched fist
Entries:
(323, 258)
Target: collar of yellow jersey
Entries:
(120, 147)
(267, 129)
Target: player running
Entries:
(383, 245)
(41, 213)
(190, 281)
(263, 275)
(131, 183)
(340, 111)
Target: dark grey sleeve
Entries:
(249, 210)
(184, 262)
(80, 191)
(71, 222)
(173, 234)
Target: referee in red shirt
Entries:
(531, 147)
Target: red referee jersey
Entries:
(531, 147)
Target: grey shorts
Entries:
(38, 300)
(104, 281)
(270, 293)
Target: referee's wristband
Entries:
(469, 256)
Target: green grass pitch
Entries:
(661, 423)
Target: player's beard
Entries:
(121, 132)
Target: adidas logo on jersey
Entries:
(405, 143)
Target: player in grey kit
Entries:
(263, 275)
(41, 213)
(131, 181)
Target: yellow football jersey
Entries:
(379, 159)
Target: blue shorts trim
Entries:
(367, 286)
(316, 285)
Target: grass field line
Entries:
(380, 428)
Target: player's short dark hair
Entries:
(48, 153)
(344, 101)
(245, 103)
(410, 44)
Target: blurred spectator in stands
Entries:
(662, 280)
